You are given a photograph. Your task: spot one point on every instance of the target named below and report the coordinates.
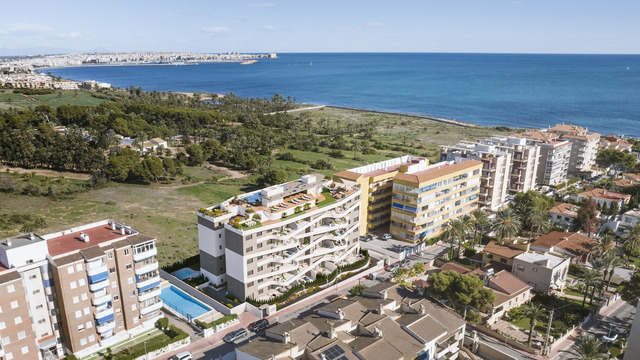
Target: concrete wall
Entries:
(195, 293)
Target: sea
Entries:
(600, 92)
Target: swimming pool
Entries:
(183, 303)
(186, 273)
(253, 198)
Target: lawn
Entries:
(328, 200)
(60, 97)
(572, 291)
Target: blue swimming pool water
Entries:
(253, 198)
(181, 302)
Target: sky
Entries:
(212, 26)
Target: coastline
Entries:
(417, 116)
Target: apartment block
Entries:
(554, 162)
(87, 288)
(584, 146)
(426, 197)
(496, 170)
(376, 182)
(524, 161)
(263, 242)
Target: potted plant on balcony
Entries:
(307, 206)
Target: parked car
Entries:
(185, 355)
(371, 237)
(611, 336)
(363, 238)
(386, 236)
(405, 262)
(236, 335)
(258, 325)
(393, 267)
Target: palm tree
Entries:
(538, 222)
(534, 312)
(616, 261)
(508, 224)
(480, 221)
(605, 243)
(631, 244)
(452, 231)
(587, 347)
(590, 278)
(600, 264)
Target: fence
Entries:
(195, 293)
(497, 335)
(171, 347)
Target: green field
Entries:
(60, 97)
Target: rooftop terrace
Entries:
(71, 240)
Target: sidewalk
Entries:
(565, 344)
(199, 343)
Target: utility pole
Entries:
(546, 339)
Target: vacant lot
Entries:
(9, 100)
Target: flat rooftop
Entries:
(69, 240)
(541, 259)
(19, 241)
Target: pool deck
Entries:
(211, 314)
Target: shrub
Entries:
(162, 323)
(222, 320)
(182, 263)
(575, 270)
(469, 252)
(70, 357)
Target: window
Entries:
(132, 294)
(259, 245)
(9, 356)
(220, 237)
(128, 266)
(92, 338)
(22, 335)
(520, 268)
(11, 288)
(130, 280)
(136, 319)
(249, 249)
(260, 268)
(112, 270)
(109, 255)
(32, 277)
(70, 269)
(81, 282)
(126, 252)
(78, 313)
(5, 340)
(86, 311)
(76, 299)
(250, 272)
(89, 324)
(84, 296)
(114, 284)
(83, 341)
(120, 324)
(14, 304)
(503, 260)
(78, 267)
(37, 291)
(133, 307)
(535, 269)
(18, 320)
(73, 285)
(250, 261)
(41, 321)
(118, 311)
(39, 306)
(116, 297)
(3, 325)
(24, 350)
(490, 256)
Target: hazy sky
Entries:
(513, 26)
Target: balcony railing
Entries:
(108, 326)
(147, 253)
(146, 295)
(151, 308)
(99, 285)
(148, 281)
(97, 270)
(104, 311)
(145, 268)
(98, 300)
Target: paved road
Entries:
(620, 319)
(499, 344)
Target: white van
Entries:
(185, 355)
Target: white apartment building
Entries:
(496, 170)
(584, 146)
(262, 243)
(524, 165)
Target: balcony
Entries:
(148, 281)
(145, 268)
(99, 285)
(104, 311)
(151, 308)
(105, 327)
(146, 295)
(92, 271)
(144, 253)
(102, 299)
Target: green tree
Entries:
(587, 347)
(196, 154)
(480, 222)
(272, 177)
(534, 312)
(508, 224)
(631, 290)
(586, 219)
(590, 278)
(631, 243)
(460, 290)
(611, 157)
(454, 230)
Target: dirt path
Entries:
(230, 174)
(300, 109)
(44, 172)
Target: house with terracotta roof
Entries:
(563, 214)
(631, 176)
(509, 291)
(630, 218)
(578, 247)
(603, 196)
(614, 142)
(621, 183)
(502, 254)
(543, 272)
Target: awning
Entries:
(105, 319)
(99, 277)
(150, 286)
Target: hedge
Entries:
(222, 320)
(182, 263)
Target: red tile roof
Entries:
(569, 241)
(455, 267)
(438, 171)
(507, 283)
(71, 242)
(605, 194)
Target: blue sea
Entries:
(601, 92)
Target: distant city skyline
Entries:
(490, 26)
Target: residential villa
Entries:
(563, 214)
(577, 247)
(263, 242)
(501, 256)
(509, 291)
(630, 218)
(605, 197)
(616, 143)
(543, 272)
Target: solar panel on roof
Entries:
(334, 352)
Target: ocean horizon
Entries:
(600, 92)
